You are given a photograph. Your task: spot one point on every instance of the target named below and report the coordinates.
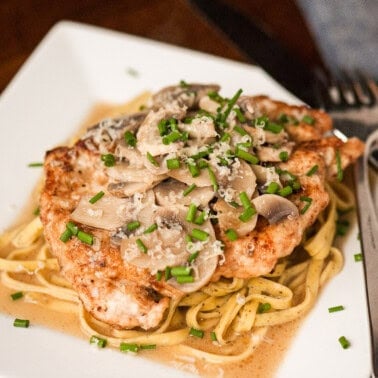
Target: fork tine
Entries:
(366, 88)
(348, 91)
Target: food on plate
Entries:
(197, 215)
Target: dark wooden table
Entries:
(23, 23)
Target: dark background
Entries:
(23, 23)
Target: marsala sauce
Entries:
(263, 363)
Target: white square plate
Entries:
(77, 66)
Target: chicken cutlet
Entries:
(153, 205)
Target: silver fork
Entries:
(352, 102)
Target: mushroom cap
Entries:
(274, 207)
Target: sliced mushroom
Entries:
(275, 208)
(110, 212)
(240, 178)
(228, 217)
(171, 192)
(148, 136)
(127, 189)
(272, 154)
(273, 138)
(211, 106)
(167, 245)
(201, 129)
(188, 94)
(266, 175)
(183, 175)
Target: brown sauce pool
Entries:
(262, 364)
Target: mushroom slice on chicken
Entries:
(275, 154)
(171, 192)
(148, 135)
(274, 207)
(235, 179)
(186, 94)
(228, 218)
(167, 245)
(110, 212)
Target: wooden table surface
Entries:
(23, 23)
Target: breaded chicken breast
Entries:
(156, 204)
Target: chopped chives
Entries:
(272, 188)
(193, 256)
(132, 226)
(308, 119)
(199, 234)
(85, 237)
(99, 341)
(344, 342)
(335, 309)
(159, 275)
(358, 257)
(188, 239)
(285, 191)
(188, 120)
(200, 220)
(167, 273)
(234, 204)
(189, 189)
(263, 307)
(246, 156)
(173, 163)
(308, 201)
(340, 173)
(184, 279)
(183, 84)
(96, 197)
(162, 126)
(239, 115)
(196, 332)
(35, 164)
(147, 346)
(130, 139)
(36, 211)
(296, 185)
(180, 271)
(191, 213)
(194, 170)
(66, 235)
(141, 246)
(172, 137)
(245, 200)
(202, 164)
(225, 137)
(283, 118)
(231, 234)
(230, 105)
(213, 179)
(17, 295)
(125, 347)
(312, 170)
(22, 323)
(342, 226)
(274, 128)
(213, 336)
(151, 228)
(72, 227)
(247, 214)
(152, 160)
(240, 130)
(283, 156)
(108, 159)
